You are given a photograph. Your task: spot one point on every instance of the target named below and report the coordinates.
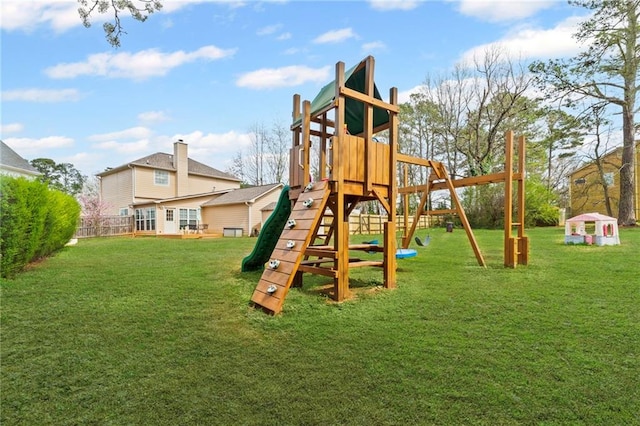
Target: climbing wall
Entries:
(295, 238)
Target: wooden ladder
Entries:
(290, 249)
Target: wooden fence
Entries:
(366, 224)
(104, 226)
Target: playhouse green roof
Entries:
(354, 110)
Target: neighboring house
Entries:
(163, 192)
(11, 164)
(586, 185)
(240, 209)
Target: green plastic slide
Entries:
(269, 234)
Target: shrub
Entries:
(35, 221)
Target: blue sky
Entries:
(207, 71)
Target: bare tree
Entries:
(277, 155)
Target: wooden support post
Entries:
(523, 241)
(341, 286)
(306, 142)
(389, 255)
(295, 114)
(339, 227)
(369, 166)
(390, 227)
(509, 246)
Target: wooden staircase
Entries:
(277, 279)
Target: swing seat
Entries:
(424, 243)
(405, 253)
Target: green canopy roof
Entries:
(354, 109)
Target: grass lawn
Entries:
(158, 332)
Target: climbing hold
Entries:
(273, 264)
(271, 289)
(308, 203)
(309, 187)
(291, 244)
(291, 223)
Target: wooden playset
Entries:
(356, 165)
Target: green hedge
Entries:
(35, 221)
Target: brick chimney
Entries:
(181, 164)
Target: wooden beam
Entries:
(459, 183)
(354, 94)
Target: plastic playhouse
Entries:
(592, 228)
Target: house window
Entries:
(139, 220)
(608, 179)
(145, 219)
(124, 211)
(161, 177)
(169, 215)
(151, 219)
(188, 218)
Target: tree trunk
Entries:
(626, 212)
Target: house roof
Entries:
(161, 160)
(616, 150)
(592, 217)
(183, 197)
(269, 207)
(11, 160)
(243, 195)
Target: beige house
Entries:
(11, 164)
(240, 209)
(164, 192)
(587, 185)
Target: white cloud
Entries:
(405, 95)
(284, 36)
(139, 132)
(373, 46)
(529, 42)
(41, 95)
(61, 15)
(501, 10)
(27, 15)
(269, 29)
(206, 146)
(335, 36)
(131, 147)
(294, 75)
(26, 146)
(11, 128)
(140, 65)
(153, 117)
(292, 51)
(385, 5)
